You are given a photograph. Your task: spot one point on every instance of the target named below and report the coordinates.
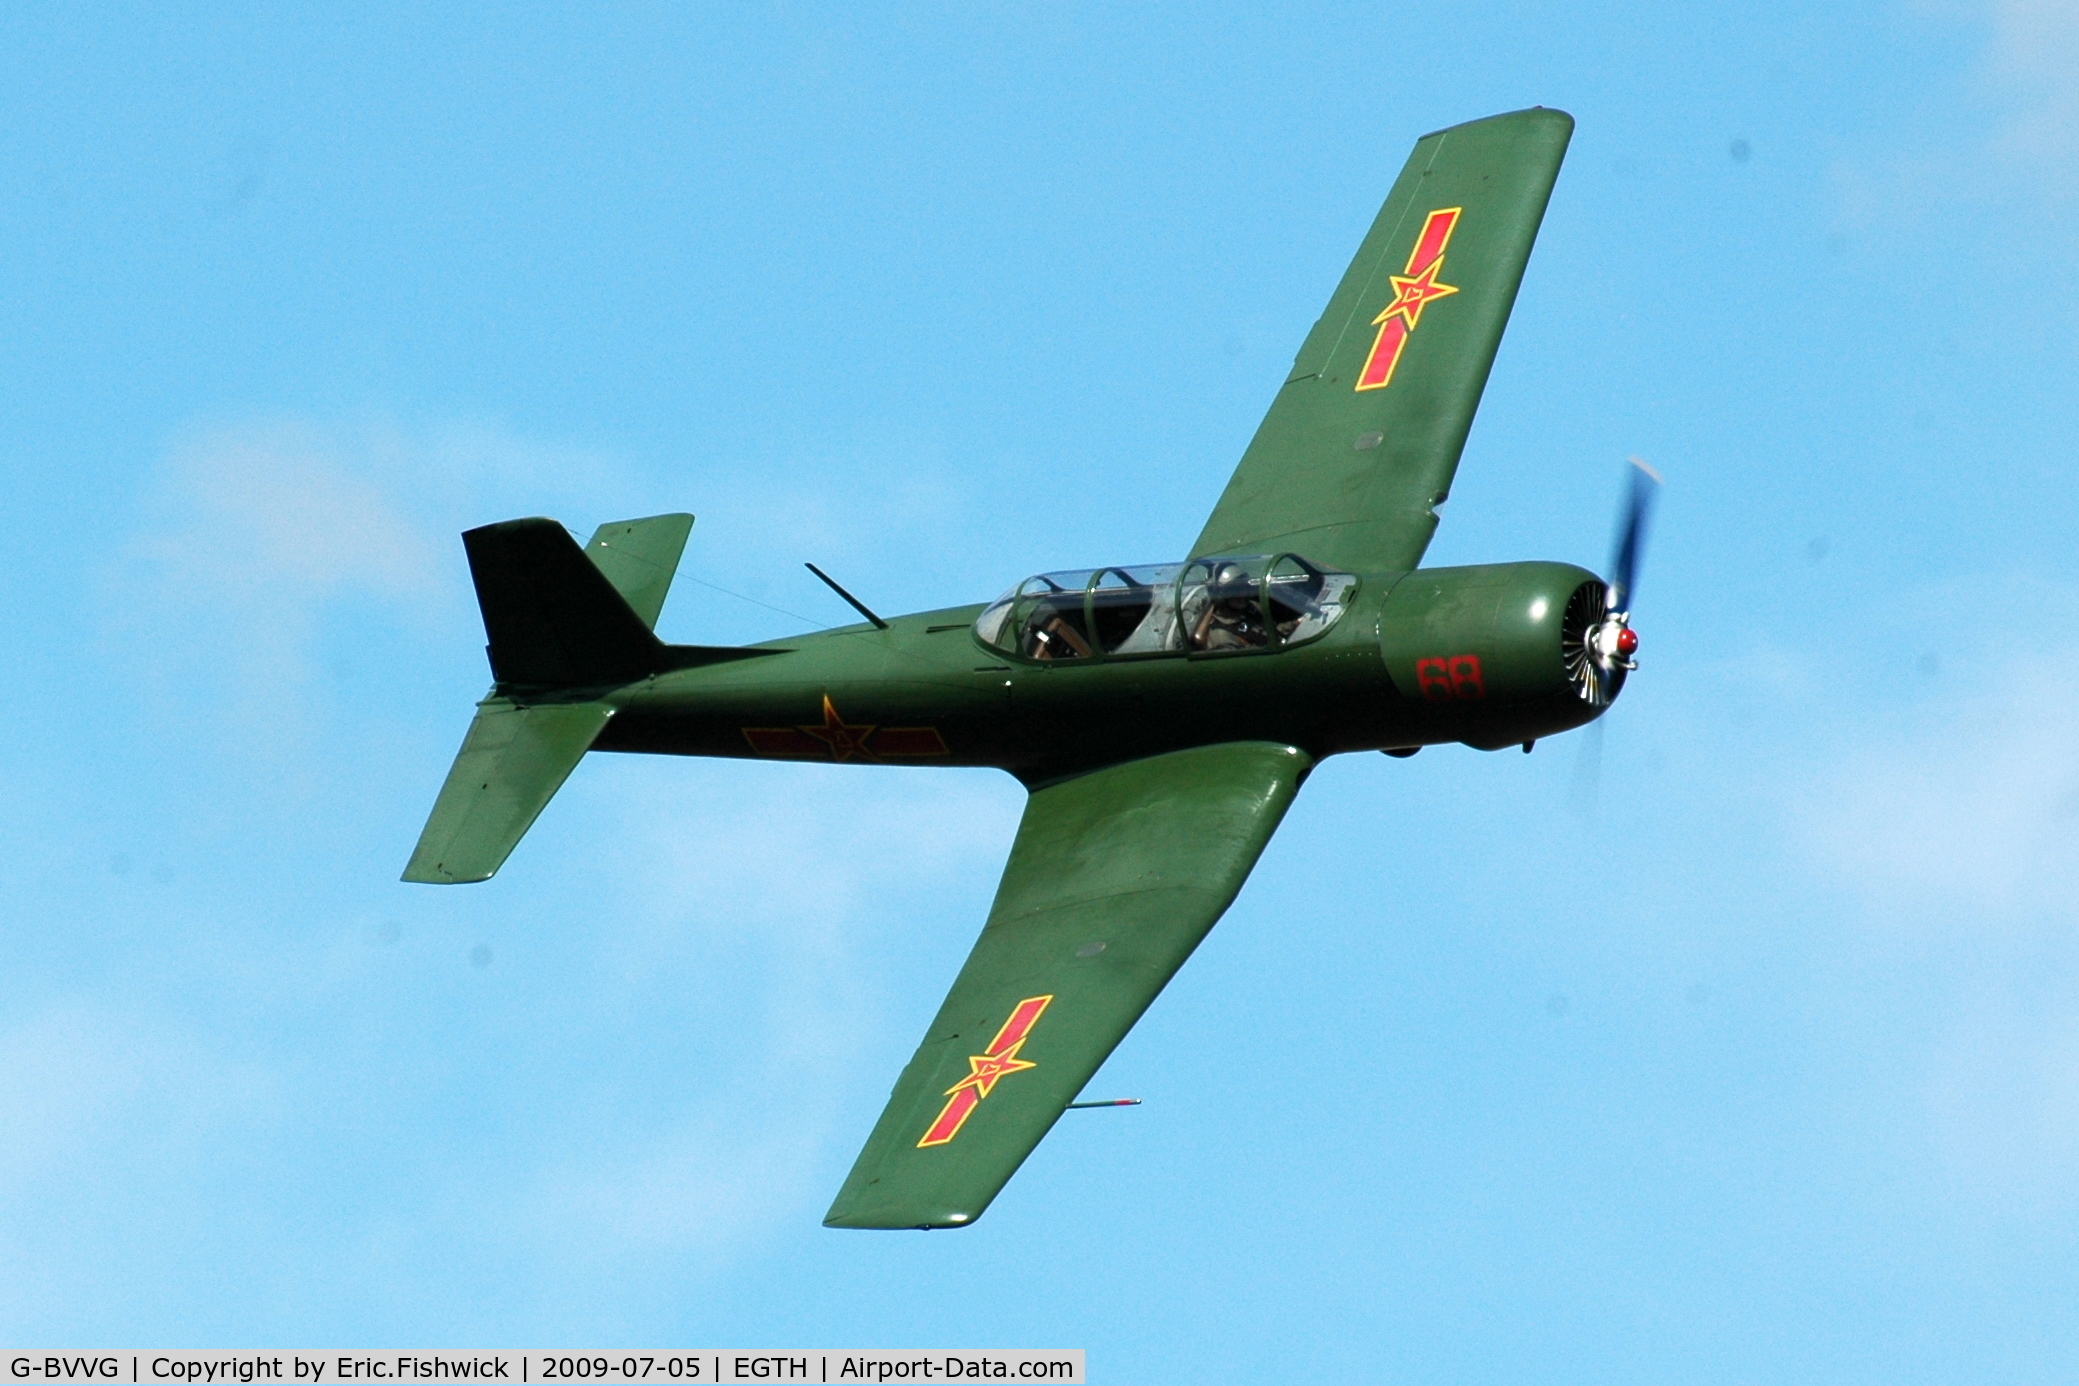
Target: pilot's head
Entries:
(1231, 584)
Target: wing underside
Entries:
(1113, 880)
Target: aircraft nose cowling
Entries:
(1487, 655)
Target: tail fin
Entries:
(553, 617)
(565, 626)
(556, 617)
(639, 558)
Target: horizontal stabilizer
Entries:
(512, 763)
(639, 557)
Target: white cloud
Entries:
(2032, 68)
(255, 535)
(802, 845)
(1965, 809)
(283, 511)
(1950, 826)
(249, 535)
(2010, 126)
(73, 1078)
(112, 1112)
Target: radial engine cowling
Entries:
(1501, 654)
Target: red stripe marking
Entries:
(1018, 1026)
(908, 741)
(1436, 233)
(967, 1094)
(1395, 327)
(952, 1118)
(1378, 367)
(785, 741)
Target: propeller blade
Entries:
(1587, 790)
(1631, 536)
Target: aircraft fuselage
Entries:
(1434, 655)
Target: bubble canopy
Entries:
(1223, 605)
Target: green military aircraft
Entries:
(1162, 716)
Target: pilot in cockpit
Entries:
(1048, 636)
(1233, 618)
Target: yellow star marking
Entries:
(1410, 292)
(985, 1069)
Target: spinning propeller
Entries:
(1597, 639)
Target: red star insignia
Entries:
(845, 742)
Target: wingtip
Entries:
(899, 1220)
(1543, 113)
(415, 874)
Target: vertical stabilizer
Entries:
(639, 558)
(554, 618)
(564, 625)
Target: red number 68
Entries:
(1453, 676)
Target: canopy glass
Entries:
(1206, 606)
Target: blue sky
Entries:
(1754, 1057)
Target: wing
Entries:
(1115, 877)
(1361, 443)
